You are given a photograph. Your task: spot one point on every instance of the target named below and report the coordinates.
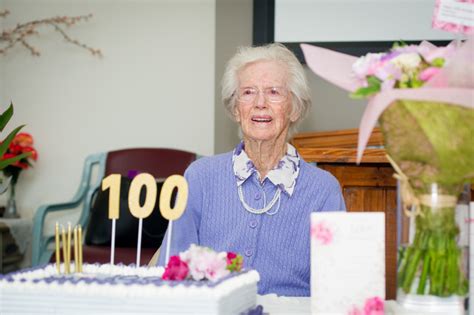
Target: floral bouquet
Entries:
(8, 159)
(21, 152)
(423, 98)
(202, 263)
(21, 146)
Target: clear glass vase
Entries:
(431, 277)
(11, 210)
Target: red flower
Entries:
(21, 143)
(23, 139)
(34, 153)
(176, 269)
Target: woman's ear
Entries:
(236, 113)
(295, 114)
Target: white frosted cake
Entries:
(123, 289)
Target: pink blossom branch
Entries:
(19, 35)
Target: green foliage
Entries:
(236, 264)
(438, 62)
(432, 142)
(374, 85)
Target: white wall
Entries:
(233, 28)
(153, 88)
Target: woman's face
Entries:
(261, 119)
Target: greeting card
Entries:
(348, 263)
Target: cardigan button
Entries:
(253, 224)
(248, 252)
(258, 196)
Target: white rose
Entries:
(407, 61)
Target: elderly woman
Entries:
(257, 199)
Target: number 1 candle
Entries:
(112, 182)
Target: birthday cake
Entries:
(198, 281)
(123, 289)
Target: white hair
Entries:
(297, 82)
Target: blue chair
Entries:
(160, 162)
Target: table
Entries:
(274, 305)
(15, 244)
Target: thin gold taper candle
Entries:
(66, 270)
(58, 254)
(79, 232)
(76, 251)
(69, 234)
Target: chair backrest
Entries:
(159, 162)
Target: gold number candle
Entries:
(179, 182)
(112, 182)
(137, 210)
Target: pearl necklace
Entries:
(265, 209)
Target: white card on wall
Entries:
(347, 262)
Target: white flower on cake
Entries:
(204, 263)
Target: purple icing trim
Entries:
(116, 279)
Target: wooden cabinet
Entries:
(10, 256)
(369, 186)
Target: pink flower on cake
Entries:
(204, 263)
(176, 269)
(321, 233)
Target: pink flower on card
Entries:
(355, 311)
(321, 233)
(176, 269)
(374, 306)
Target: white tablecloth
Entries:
(282, 305)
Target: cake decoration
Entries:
(202, 263)
(122, 289)
(178, 182)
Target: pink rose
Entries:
(374, 306)
(230, 257)
(176, 269)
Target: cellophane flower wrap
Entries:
(423, 98)
(202, 263)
